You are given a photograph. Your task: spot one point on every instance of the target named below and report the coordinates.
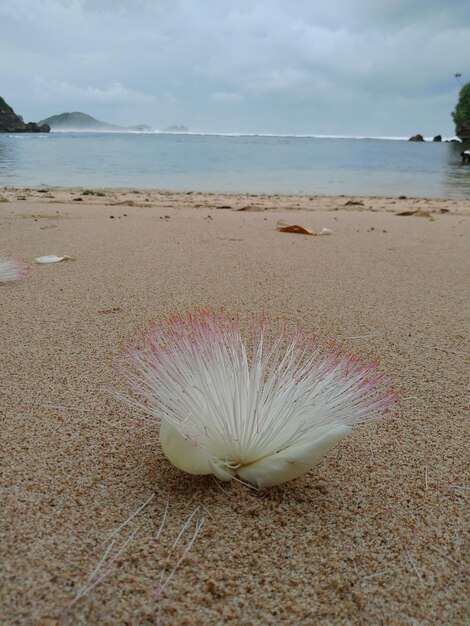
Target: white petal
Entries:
(184, 453)
(293, 461)
(222, 473)
(51, 258)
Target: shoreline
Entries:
(240, 201)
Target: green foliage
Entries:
(461, 115)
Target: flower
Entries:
(263, 411)
(12, 269)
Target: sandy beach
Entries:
(377, 533)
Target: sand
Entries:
(376, 534)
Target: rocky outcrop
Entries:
(416, 138)
(462, 130)
(438, 138)
(10, 122)
(461, 114)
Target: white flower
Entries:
(265, 411)
(12, 269)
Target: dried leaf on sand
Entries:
(416, 212)
(251, 208)
(284, 227)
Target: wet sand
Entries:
(376, 534)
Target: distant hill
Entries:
(82, 121)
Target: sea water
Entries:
(242, 163)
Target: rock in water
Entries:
(438, 138)
(10, 122)
(416, 138)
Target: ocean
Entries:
(235, 163)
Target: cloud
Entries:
(372, 67)
(64, 92)
(228, 97)
(116, 6)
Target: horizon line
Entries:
(252, 134)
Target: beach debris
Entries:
(131, 203)
(354, 203)
(51, 258)
(326, 231)
(416, 213)
(114, 309)
(165, 578)
(252, 208)
(111, 552)
(263, 410)
(224, 206)
(12, 269)
(114, 546)
(92, 192)
(77, 199)
(284, 227)
(125, 203)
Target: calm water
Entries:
(235, 163)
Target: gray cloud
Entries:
(350, 67)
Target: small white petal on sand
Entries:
(51, 258)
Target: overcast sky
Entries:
(339, 67)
